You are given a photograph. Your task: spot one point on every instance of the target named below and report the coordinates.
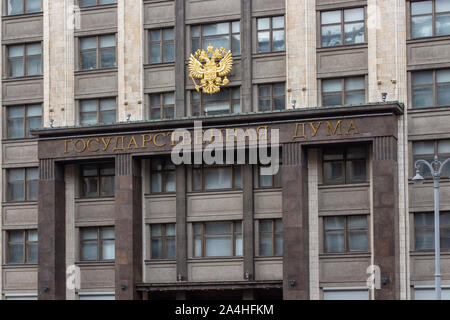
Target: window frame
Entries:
(346, 231)
(25, 183)
(433, 15)
(24, 59)
(434, 85)
(99, 112)
(98, 166)
(164, 237)
(99, 240)
(270, 30)
(161, 43)
(274, 180)
(429, 156)
(342, 92)
(25, 244)
(97, 50)
(230, 34)
(202, 104)
(273, 234)
(164, 162)
(25, 119)
(202, 169)
(25, 9)
(162, 106)
(342, 25)
(272, 97)
(203, 236)
(431, 227)
(344, 161)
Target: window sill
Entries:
(268, 189)
(24, 78)
(425, 253)
(19, 203)
(269, 54)
(268, 258)
(101, 70)
(111, 198)
(427, 39)
(218, 191)
(22, 15)
(161, 195)
(348, 255)
(344, 185)
(158, 65)
(98, 7)
(343, 47)
(160, 261)
(215, 259)
(428, 109)
(19, 265)
(95, 263)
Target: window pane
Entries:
(216, 29)
(423, 77)
(88, 118)
(236, 45)
(33, 111)
(197, 228)
(354, 33)
(108, 252)
(442, 5)
(266, 247)
(108, 233)
(278, 244)
(16, 68)
(444, 146)
(170, 229)
(88, 3)
(168, 34)
(16, 128)
(356, 152)
(89, 251)
(445, 238)
(333, 172)
(15, 7)
(198, 247)
(157, 248)
(34, 66)
(356, 222)
(443, 95)
(155, 53)
(157, 182)
(107, 104)
(331, 17)
(424, 219)
(332, 99)
(32, 253)
(235, 26)
(238, 245)
(32, 174)
(108, 58)
(278, 22)
(170, 248)
(331, 85)
(424, 239)
(423, 97)
(32, 190)
(168, 51)
(88, 43)
(334, 241)
(443, 25)
(107, 41)
(358, 97)
(219, 246)
(16, 236)
(331, 36)
(265, 225)
(221, 42)
(88, 60)
(332, 223)
(357, 240)
(421, 7)
(263, 41)
(422, 26)
(264, 24)
(278, 40)
(170, 181)
(221, 227)
(237, 177)
(265, 181)
(423, 147)
(107, 186)
(354, 14)
(217, 178)
(356, 171)
(34, 49)
(16, 253)
(15, 51)
(156, 230)
(90, 187)
(169, 98)
(89, 234)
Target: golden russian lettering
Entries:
(260, 136)
(75, 146)
(122, 140)
(352, 127)
(132, 142)
(315, 129)
(297, 126)
(89, 144)
(156, 137)
(146, 138)
(335, 129)
(65, 145)
(172, 139)
(106, 144)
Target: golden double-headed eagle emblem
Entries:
(210, 66)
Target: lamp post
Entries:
(436, 170)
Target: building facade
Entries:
(93, 206)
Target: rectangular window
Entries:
(216, 177)
(91, 3)
(343, 91)
(424, 231)
(22, 246)
(98, 52)
(220, 35)
(97, 180)
(163, 176)
(227, 100)
(24, 60)
(427, 150)
(344, 165)
(162, 45)
(271, 97)
(270, 34)
(23, 184)
(162, 241)
(95, 111)
(345, 234)
(430, 18)
(97, 243)
(218, 239)
(162, 105)
(342, 27)
(23, 6)
(431, 88)
(270, 237)
(269, 181)
(23, 119)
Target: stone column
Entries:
(181, 232)
(248, 222)
(246, 54)
(385, 216)
(51, 231)
(180, 58)
(295, 223)
(128, 226)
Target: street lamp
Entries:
(436, 170)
